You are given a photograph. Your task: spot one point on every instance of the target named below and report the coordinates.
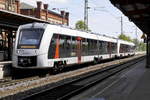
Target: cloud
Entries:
(58, 1)
(33, 2)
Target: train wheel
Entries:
(61, 67)
(55, 69)
(95, 60)
(58, 67)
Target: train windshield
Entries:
(30, 37)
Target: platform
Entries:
(5, 69)
(133, 84)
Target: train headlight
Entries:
(17, 51)
(20, 51)
(35, 52)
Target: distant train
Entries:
(41, 45)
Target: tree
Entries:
(81, 25)
(140, 46)
(124, 37)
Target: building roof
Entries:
(26, 6)
(137, 11)
(13, 20)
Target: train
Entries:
(44, 46)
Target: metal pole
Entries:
(121, 25)
(86, 14)
(136, 39)
(148, 52)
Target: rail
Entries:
(76, 86)
(17, 89)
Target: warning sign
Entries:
(143, 36)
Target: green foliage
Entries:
(124, 37)
(140, 46)
(80, 25)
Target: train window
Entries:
(65, 46)
(109, 49)
(73, 46)
(124, 48)
(84, 47)
(89, 46)
(104, 45)
(1, 45)
(121, 48)
(114, 47)
(95, 48)
(52, 48)
(92, 47)
(100, 47)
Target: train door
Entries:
(79, 48)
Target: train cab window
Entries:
(30, 37)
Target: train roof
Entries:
(73, 32)
(83, 34)
(126, 42)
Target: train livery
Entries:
(41, 45)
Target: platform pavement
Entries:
(142, 89)
(131, 85)
(5, 69)
(134, 85)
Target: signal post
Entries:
(148, 52)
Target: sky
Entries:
(104, 18)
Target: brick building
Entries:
(44, 14)
(10, 5)
(41, 11)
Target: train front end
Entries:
(26, 51)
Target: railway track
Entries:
(76, 86)
(5, 80)
(8, 82)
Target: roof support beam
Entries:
(125, 2)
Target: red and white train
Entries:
(41, 45)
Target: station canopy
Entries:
(138, 11)
(13, 20)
